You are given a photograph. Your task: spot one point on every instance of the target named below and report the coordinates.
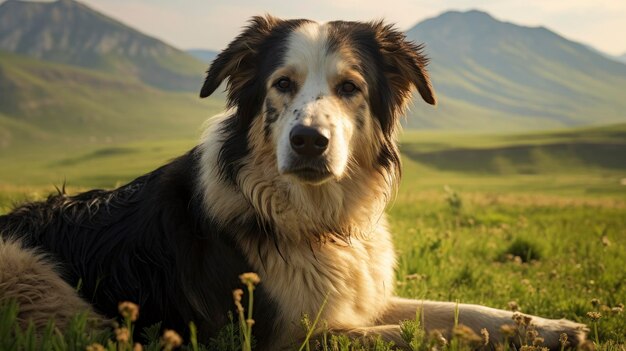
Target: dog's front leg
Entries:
(441, 316)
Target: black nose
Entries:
(308, 141)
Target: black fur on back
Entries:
(148, 242)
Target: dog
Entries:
(290, 182)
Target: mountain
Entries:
(69, 32)
(493, 75)
(205, 56)
(488, 74)
(622, 57)
(44, 103)
(602, 53)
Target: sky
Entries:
(211, 24)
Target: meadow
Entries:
(537, 219)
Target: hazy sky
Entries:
(211, 24)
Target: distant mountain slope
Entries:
(489, 75)
(492, 75)
(47, 102)
(69, 32)
(622, 57)
(203, 55)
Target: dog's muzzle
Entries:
(309, 145)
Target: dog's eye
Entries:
(347, 89)
(284, 84)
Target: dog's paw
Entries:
(556, 331)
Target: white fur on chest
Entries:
(357, 279)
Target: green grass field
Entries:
(539, 219)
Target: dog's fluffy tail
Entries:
(32, 281)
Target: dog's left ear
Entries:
(405, 65)
(238, 62)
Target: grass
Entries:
(482, 255)
(551, 241)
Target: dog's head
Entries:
(326, 98)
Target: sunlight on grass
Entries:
(550, 243)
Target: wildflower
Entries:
(95, 347)
(122, 335)
(465, 333)
(563, 340)
(538, 341)
(137, 347)
(528, 348)
(128, 310)
(531, 335)
(237, 295)
(521, 320)
(617, 310)
(527, 320)
(484, 333)
(250, 278)
(513, 306)
(305, 321)
(594, 316)
(438, 338)
(170, 340)
(595, 302)
(508, 330)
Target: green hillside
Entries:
(69, 32)
(588, 161)
(47, 104)
(492, 75)
(589, 149)
(585, 162)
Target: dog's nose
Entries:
(308, 141)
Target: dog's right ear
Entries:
(238, 62)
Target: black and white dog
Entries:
(291, 183)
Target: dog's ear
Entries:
(405, 65)
(238, 62)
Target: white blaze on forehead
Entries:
(307, 47)
(308, 53)
(309, 57)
